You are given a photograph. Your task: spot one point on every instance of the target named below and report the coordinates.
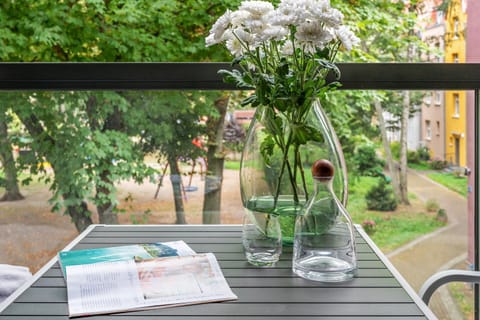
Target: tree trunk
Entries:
(404, 148)
(12, 191)
(388, 152)
(80, 215)
(106, 215)
(105, 207)
(212, 198)
(176, 180)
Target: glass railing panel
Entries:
(137, 157)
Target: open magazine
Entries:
(127, 285)
(141, 276)
(137, 252)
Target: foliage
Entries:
(369, 226)
(381, 197)
(423, 153)
(84, 31)
(438, 164)
(432, 205)
(442, 215)
(395, 148)
(234, 135)
(367, 162)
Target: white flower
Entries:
(285, 15)
(287, 48)
(239, 17)
(272, 33)
(235, 47)
(256, 8)
(346, 37)
(332, 17)
(210, 41)
(313, 32)
(218, 29)
(245, 37)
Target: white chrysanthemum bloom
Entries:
(235, 47)
(332, 18)
(239, 17)
(220, 26)
(286, 15)
(256, 8)
(255, 26)
(244, 36)
(346, 37)
(272, 32)
(314, 33)
(287, 48)
(210, 41)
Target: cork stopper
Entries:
(323, 170)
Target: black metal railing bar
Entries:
(179, 76)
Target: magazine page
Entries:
(132, 285)
(137, 252)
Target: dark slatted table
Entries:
(378, 292)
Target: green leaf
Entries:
(266, 148)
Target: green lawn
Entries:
(393, 229)
(231, 165)
(452, 182)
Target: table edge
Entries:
(410, 291)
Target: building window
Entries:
(438, 128)
(428, 99)
(456, 105)
(438, 98)
(428, 130)
(455, 57)
(440, 18)
(455, 28)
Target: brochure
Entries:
(126, 285)
(137, 252)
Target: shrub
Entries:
(412, 157)
(381, 197)
(367, 162)
(369, 226)
(395, 148)
(437, 164)
(423, 154)
(442, 215)
(432, 205)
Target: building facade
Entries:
(455, 101)
(432, 22)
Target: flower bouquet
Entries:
(285, 54)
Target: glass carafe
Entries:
(324, 241)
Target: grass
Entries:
(464, 297)
(392, 229)
(422, 166)
(231, 165)
(451, 181)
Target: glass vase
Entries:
(324, 245)
(272, 177)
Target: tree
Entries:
(12, 190)
(386, 30)
(166, 124)
(95, 31)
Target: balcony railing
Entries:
(204, 76)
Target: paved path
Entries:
(443, 249)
